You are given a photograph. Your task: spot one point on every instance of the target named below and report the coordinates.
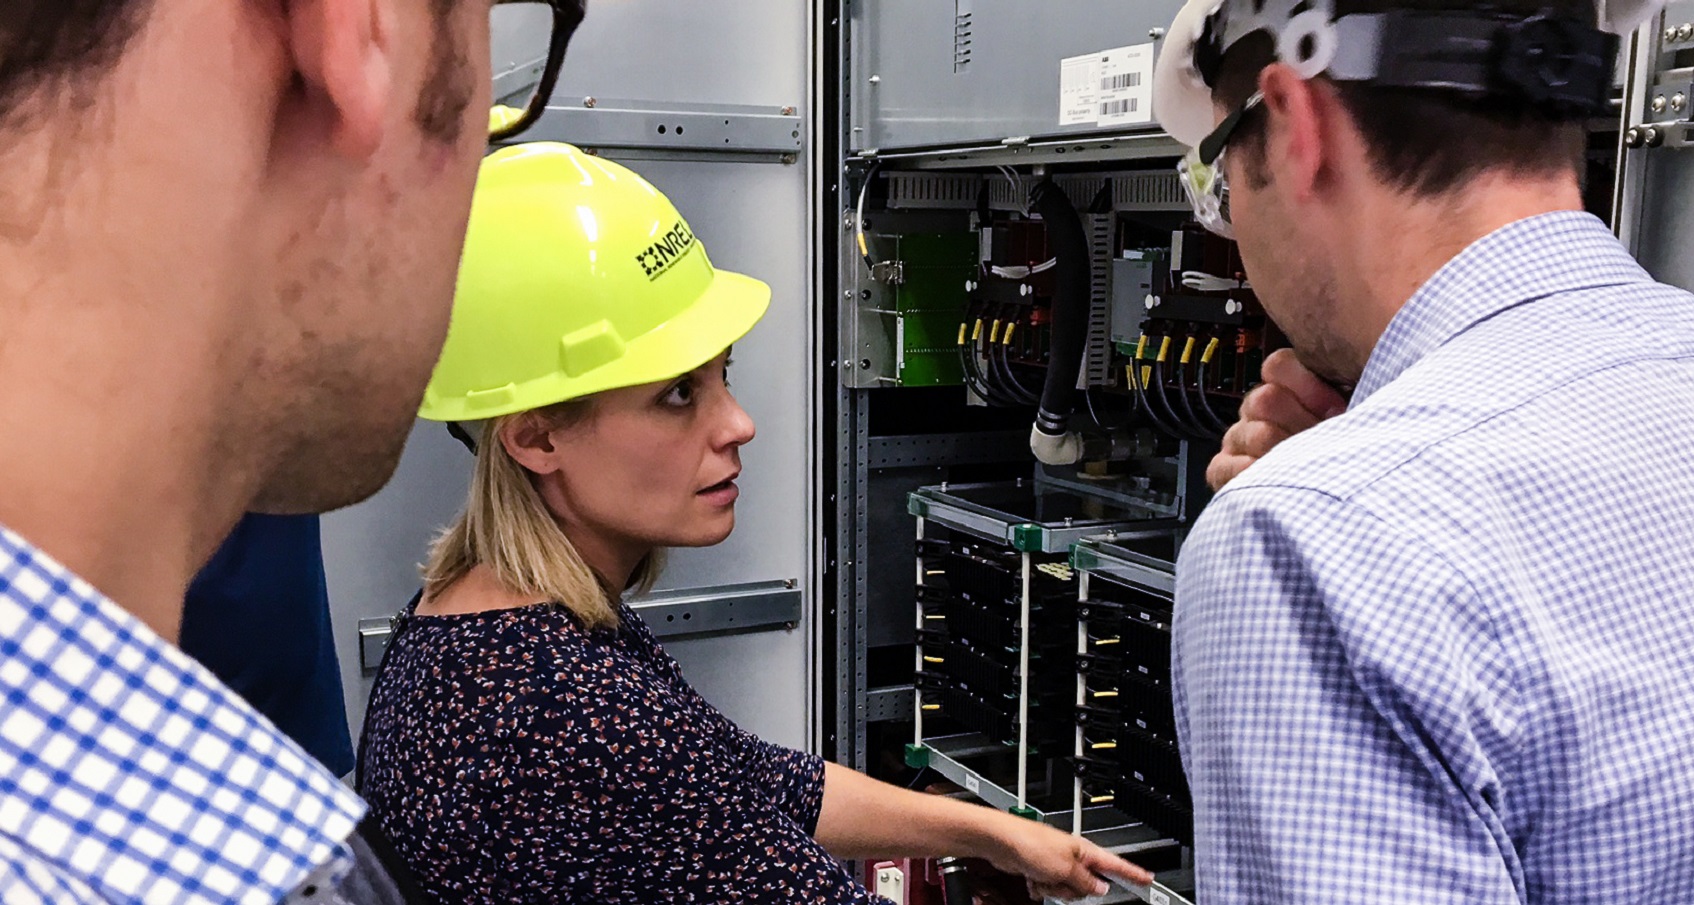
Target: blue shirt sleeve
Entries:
(1340, 699)
(258, 617)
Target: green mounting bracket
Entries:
(1029, 813)
(917, 757)
(917, 507)
(1026, 538)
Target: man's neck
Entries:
(112, 465)
(1401, 243)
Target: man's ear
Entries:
(1295, 140)
(344, 55)
(528, 441)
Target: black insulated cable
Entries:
(1141, 395)
(1072, 299)
(1200, 381)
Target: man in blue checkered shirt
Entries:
(1439, 647)
(228, 238)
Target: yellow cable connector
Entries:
(1008, 337)
(963, 329)
(1101, 799)
(1146, 375)
(1141, 347)
(1188, 350)
(1102, 746)
(1164, 350)
(928, 659)
(1105, 694)
(932, 706)
(976, 333)
(994, 334)
(1211, 349)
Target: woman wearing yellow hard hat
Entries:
(528, 740)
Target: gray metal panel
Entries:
(752, 217)
(1010, 86)
(728, 52)
(752, 607)
(668, 126)
(372, 550)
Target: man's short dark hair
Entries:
(1426, 141)
(45, 43)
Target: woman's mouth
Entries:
(723, 493)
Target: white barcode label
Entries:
(1108, 89)
(973, 783)
(1079, 90)
(1157, 897)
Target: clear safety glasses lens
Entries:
(1202, 176)
(1208, 192)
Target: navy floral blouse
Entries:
(514, 757)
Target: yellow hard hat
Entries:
(578, 276)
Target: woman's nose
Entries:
(737, 428)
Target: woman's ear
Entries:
(529, 441)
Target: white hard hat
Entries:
(1305, 37)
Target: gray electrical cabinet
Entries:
(940, 75)
(1656, 172)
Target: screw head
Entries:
(1670, 34)
(1155, 33)
(876, 80)
(589, 102)
(788, 111)
(1684, 32)
(1659, 104)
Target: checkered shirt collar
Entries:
(129, 772)
(1517, 263)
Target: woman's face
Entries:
(654, 465)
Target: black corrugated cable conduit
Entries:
(1051, 441)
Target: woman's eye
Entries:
(680, 395)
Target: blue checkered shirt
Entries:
(1441, 648)
(129, 774)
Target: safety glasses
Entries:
(526, 69)
(1201, 172)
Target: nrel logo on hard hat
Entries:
(661, 256)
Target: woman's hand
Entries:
(1055, 863)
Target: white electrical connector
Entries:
(1205, 282)
(891, 883)
(1024, 273)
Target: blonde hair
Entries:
(507, 527)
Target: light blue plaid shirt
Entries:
(1441, 648)
(129, 774)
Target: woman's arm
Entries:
(864, 819)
